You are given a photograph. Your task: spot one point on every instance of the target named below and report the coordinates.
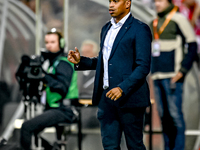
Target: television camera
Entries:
(29, 76)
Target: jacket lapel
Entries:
(121, 33)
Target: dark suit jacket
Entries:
(128, 65)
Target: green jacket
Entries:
(53, 97)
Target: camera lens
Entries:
(35, 71)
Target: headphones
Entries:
(62, 43)
(60, 36)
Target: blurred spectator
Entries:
(191, 9)
(177, 2)
(30, 4)
(52, 12)
(50, 15)
(148, 3)
(170, 64)
(89, 48)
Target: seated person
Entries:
(61, 83)
(89, 48)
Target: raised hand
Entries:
(74, 56)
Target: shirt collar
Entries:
(121, 22)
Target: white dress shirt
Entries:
(108, 44)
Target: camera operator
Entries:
(60, 83)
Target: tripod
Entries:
(27, 108)
(31, 96)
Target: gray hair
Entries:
(91, 42)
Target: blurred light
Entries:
(53, 30)
(18, 123)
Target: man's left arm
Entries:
(185, 29)
(142, 64)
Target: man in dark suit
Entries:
(120, 88)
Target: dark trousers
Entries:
(115, 120)
(169, 105)
(48, 119)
